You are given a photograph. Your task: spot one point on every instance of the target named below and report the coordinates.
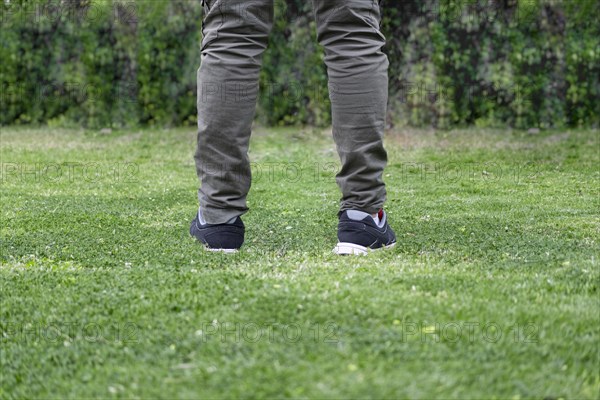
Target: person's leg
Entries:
(235, 35)
(358, 85)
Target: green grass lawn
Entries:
(491, 291)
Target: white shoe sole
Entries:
(225, 251)
(345, 248)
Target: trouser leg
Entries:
(235, 35)
(358, 86)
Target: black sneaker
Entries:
(226, 238)
(361, 237)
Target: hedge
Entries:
(103, 63)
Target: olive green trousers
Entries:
(235, 35)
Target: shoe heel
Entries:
(345, 248)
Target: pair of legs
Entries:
(235, 35)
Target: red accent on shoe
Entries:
(380, 214)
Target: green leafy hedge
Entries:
(529, 63)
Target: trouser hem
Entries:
(371, 209)
(219, 215)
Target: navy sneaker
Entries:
(357, 236)
(226, 238)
